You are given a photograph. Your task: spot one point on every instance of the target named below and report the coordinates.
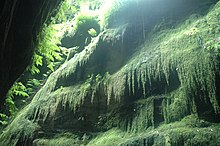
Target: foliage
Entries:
(33, 85)
(92, 32)
(166, 57)
(65, 12)
(18, 89)
(3, 119)
(84, 27)
(47, 51)
(105, 10)
(46, 54)
(93, 5)
(85, 22)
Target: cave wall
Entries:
(21, 20)
(101, 89)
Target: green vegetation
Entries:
(3, 120)
(65, 139)
(46, 58)
(32, 85)
(17, 90)
(163, 92)
(47, 52)
(22, 130)
(83, 29)
(109, 11)
(84, 22)
(188, 131)
(47, 49)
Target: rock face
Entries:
(21, 20)
(136, 83)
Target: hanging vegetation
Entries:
(158, 88)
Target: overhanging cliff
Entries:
(21, 21)
(136, 83)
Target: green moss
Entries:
(175, 52)
(21, 130)
(170, 76)
(169, 53)
(66, 139)
(189, 131)
(85, 22)
(85, 27)
(143, 115)
(111, 137)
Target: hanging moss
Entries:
(20, 131)
(177, 53)
(168, 77)
(189, 131)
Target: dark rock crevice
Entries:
(21, 21)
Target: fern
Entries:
(47, 49)
(38, 59)
(47, 52)
(33, 85)
(17, 90)
(45, 55)
(3, 119)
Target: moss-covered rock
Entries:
(156, 89)
(81, 33)
(188, 131)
